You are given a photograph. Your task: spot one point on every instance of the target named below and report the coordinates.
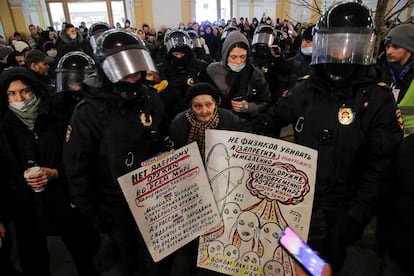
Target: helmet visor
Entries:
(352, 48)
(263, 38)
(196, 42)
(69, 80)
(178, 41)
(127, 62)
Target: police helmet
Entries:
(95, 30)
(227, 30)
(195, 39)
(264, 35)
(344, 34)
(72, 69)
(177, 40)
(122, 53)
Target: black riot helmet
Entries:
(228, 30)
(195, 39)
(73, 68)
(264, 35)
(344, 34)
(95, 30)
(122, 53)
(177, 41)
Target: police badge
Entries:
(345, 116)
(146, 121)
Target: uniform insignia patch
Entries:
(68, 133)
(399, 118)
(345, 116)
(190, 81)
(146, 121)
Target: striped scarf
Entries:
(198, 129)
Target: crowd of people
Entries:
(83, 106)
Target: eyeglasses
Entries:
(22, 92)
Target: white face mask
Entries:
(236, 67)
(73, 36)
(51, 53)
(307, 51)
(22, 105)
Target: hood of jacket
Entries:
(231, 39)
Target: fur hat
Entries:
(403, 36)
(202, 88)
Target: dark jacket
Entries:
(355, 159)
(250, 83)
(299, 67)
(396, 224)
(42, 145)
(106, 139)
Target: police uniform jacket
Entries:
(355, 131)
(107, 138)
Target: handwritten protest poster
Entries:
(261, 185)
(171, 200)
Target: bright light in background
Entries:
(206, 10)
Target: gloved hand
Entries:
(344, 231)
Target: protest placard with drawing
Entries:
(261, 185)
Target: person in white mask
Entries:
(299, 64)
(244, 88)
(31, 139)
(72, 36)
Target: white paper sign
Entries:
(171, 200)
(261, 185)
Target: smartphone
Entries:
(301, 252)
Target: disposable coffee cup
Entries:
(31, 171)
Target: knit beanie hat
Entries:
(48, 45)
(5, 51)
(403, 36)
(202, 88)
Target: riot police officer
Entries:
(113, 129)
(72, 69)
(95, 30)
(266, 55)
(342, 111)
(180, 68)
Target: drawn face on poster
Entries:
(273, 268)
(215, 248)
(231, 252)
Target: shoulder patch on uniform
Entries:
(161, 86)
(305, 77)
(68, 133)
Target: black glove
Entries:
(344, 231)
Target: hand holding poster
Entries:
(261, 185)
(171, 200)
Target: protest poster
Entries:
(171, 200)
(261, 185)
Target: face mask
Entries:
(181, 27)
(23, 105)
(32, 45)
(127, 25)
(268, 22)
(236, 67)
(73, 36)
(51, 53)
(307, 51)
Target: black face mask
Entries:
(261, 51)
(128, 91)
(339, 71)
